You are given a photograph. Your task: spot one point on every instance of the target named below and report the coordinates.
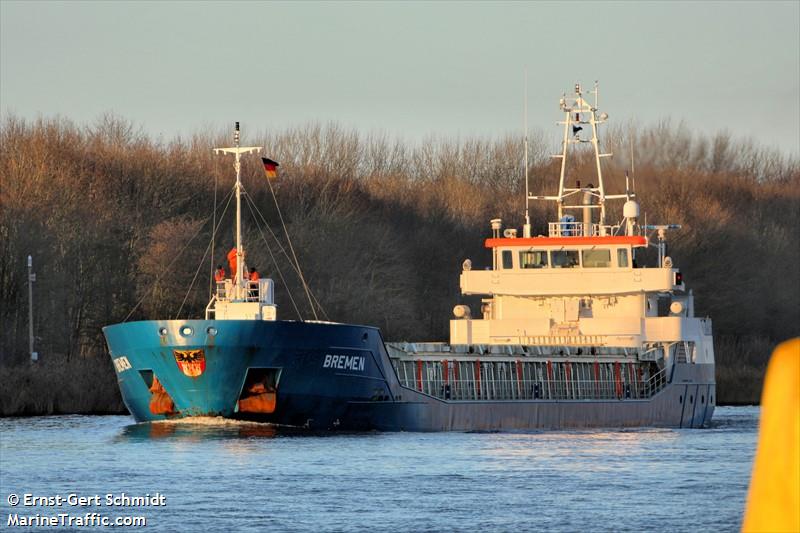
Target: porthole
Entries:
(703, 398)
(691, 399)
(711, 399)
(211, 330)
(162, 332)
(680, 399)
(186, 331)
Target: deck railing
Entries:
(565, 229)
(225, 290)
(576, 229)
(556, 384)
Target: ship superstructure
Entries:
(574, 314)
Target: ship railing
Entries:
(211, 309)
(538, 389)
(605, 229)
(657, 381)
(565, 229)
(252, 293)
(224, 291)
(221, 289)
(578, 229)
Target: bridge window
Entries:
(508, 259)
(533, 259)
(622, 257)
(564, 258)
(597, 258)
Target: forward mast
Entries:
(239, 284)
(240, 298)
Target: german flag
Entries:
(270, 168)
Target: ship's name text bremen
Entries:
(344, 362)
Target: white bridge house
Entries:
(570, 314)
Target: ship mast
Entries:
(579, 113)
(526, 228)
(240, 291)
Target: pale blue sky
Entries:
(410, 69)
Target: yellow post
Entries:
(773, 502)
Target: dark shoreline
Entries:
(93, 413)
(88, 386)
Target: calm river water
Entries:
(220, 476)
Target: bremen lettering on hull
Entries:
(344, 362)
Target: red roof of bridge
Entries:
(567, 241)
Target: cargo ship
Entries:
(573, 331)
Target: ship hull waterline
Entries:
(340, 376)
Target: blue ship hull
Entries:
(339, 376)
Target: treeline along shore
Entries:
(114, 218)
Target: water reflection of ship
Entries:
(198, 432)
(574, 330)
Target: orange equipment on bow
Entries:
(232, 261)
(160, 402)
(260, 399)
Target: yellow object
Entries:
(773, 503)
